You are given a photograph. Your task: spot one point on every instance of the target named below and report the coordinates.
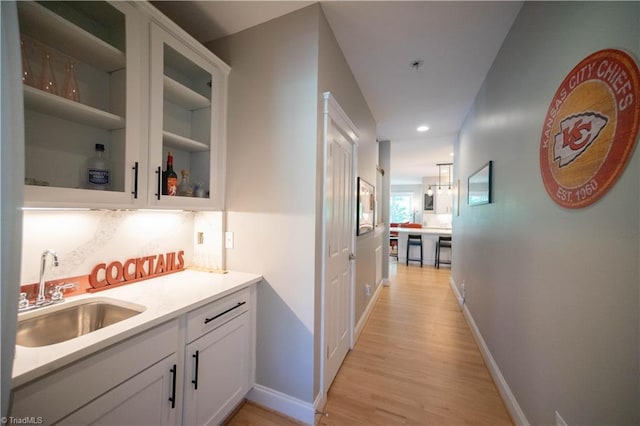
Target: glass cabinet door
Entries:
(187, 101)
(77, 74)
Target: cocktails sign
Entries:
(117, 273)
(591, 128)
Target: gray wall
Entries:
(271, 188)
(554, 292)
(279, 71)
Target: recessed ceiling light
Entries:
(451, 154)
(423, 128)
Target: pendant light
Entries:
(450, 183)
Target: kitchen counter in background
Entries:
(429, 238)
(165, 298)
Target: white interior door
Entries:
(339, 240)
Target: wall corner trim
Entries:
(283, 403)
(503, 387)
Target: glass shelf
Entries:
(42, 24)
(57, 106)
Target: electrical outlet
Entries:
(228, 240)
(461, 297)
(559, 420)
(367, 290)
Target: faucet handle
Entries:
(57, 295)
(23, 303)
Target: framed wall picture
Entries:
(479, 189)
(428, 202)
(366, 207)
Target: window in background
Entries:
(401, 207)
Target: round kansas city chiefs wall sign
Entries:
(591, 128)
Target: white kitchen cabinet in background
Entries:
(444, 202)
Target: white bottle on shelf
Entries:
(97, 170)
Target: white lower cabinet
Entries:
(218, 364)
(148, 398)
(83, 383)
(219, 360)
(192, 370)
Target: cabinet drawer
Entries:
(216, 313)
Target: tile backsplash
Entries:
(83, 239)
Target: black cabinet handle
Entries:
(208, 320)
(197, 358)
(173, 387)
(135, 180)
(159, 173)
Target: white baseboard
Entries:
(283, 403)
(365, 315)
(385, 282)
(503, 387)
(320, 402)
(456, 292)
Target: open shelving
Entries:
(42, 24)
(47, 103)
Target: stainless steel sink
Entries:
(64, 322)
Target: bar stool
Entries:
(393, 241)
(443, 241)
(414, 240)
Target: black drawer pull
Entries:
(197, 358)
(208, 320)
(173, 387)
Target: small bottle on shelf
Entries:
(97, 170)
(185, 189)
(169, 178)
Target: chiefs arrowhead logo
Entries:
(576, 135)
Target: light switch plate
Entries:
(228, 239)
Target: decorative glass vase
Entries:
(70, 88)
(27, 74)
(48, 79)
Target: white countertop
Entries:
(435, 231)
(165, 298)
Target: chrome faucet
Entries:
(41, 300)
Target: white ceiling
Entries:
(457, 41)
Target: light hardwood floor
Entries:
(415, 363)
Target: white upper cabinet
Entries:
(188, 98)
(145, 88)
(100, 41)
